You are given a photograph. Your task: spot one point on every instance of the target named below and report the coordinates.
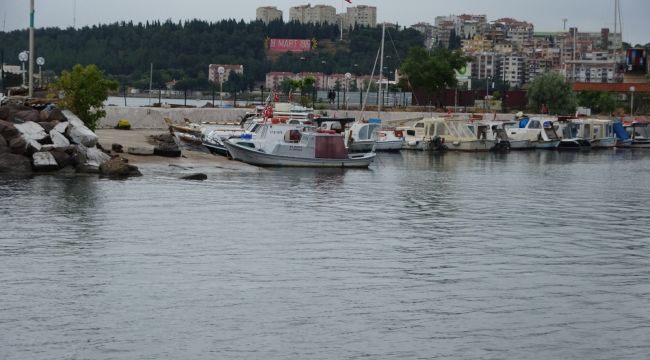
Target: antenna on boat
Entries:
(74, 15)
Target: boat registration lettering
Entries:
(295, 148)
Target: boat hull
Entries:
(520, 144)
(546, 145)
(395, 145)
(255, 157)
(603, 143)
(471, 146)
(641, 144)
(361, 146)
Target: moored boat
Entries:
(296, 145)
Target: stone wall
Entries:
(154, 118)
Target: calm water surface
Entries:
(535, 255)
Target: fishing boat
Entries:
(571, 141)
(296, 145)
(640, 134)
(539, 131)
(361, 136)
(600, 133)
(446, 133)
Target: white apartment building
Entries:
(513, 66)
(267, 14)
(317, 14)
(362, 15)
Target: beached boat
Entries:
(280, 144)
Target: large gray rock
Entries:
(44, 161)
(8, 130)
(18, 145)
(31, 131)
(89, 159)
(78, 132)
(118, 168)
(28, 115)
(96, 157)
(63, 158)
(4, 146)
(14, 164)
(62, 127)
(58, 140)
(53, 114)
(33, 146)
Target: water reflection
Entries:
(422, 256)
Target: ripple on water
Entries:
(526, 255)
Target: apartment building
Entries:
(361, 15)
(513, 70)
(317, 14)
(267, 14)
(486, 65)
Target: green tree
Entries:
(554, 91)
(85, 89)
(599, 102)
(431, 72)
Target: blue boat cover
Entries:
(523, 122)
(619, 130)
(374, 121)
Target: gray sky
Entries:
(546, 15)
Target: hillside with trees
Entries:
(182, 51)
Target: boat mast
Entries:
(381, 68)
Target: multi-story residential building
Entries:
(444, 30)
(485, 65)
(318, 14)
(213, 71)
(535, 67)
(267, 14)
(512, 67)
(275, 78)
(360, 15)
(428, 31)
(477, 45)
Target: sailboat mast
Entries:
(381, 68)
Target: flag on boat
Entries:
(348, 1)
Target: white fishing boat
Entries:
(539, 131)
(598, 132)
(570, 140)
(361, 136)
(497, 131)
(640, 134)
(445, 134)
(295, 145)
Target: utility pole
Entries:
(31, 48)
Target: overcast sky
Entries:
(546, 15)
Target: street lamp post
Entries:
(632, 90)
(324, 85)
(31, 48)
(40, 61)
(23, 57)
(221, 70)
(348, 76)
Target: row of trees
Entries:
(182, 51)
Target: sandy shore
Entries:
(190, 162)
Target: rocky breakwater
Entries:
(51, 140)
